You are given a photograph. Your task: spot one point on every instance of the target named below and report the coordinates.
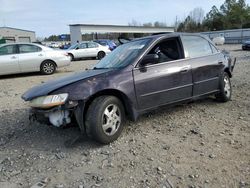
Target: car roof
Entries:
(86, 42)
(174, 34)
(102, 40)
(28, 43)
(168, 35)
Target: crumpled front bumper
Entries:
(59, 115)
(45, 116)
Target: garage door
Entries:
(9, 39)
(24, 39)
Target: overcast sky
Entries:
(47, 17)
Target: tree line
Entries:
(232, 14)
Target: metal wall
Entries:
(17, 35)
(76, 30)
(234, 36)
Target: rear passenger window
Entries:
(27, 48)
(196, 46)
(83, 45)
(92, 45)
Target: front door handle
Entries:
(220, 62)
(40, 55)
(185, 69)
(13, 57)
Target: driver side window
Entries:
(167, 50)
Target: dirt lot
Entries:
(202, 144)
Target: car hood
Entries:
(48, 87)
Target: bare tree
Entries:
(197, 15)
(134, 23)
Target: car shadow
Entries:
(84, 59)
(11, 76)
(37, 74)
(237, 50)
(19, 132)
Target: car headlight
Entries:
(49, 101)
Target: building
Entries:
(17, 35)
(76, 30)
(233, 36)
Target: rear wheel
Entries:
(101, 55)
(225, 89)
(104, 119)
(48, 67)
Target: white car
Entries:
(87, 49)
(30, 57)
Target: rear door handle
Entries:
(220, 62)
(13, 57)
(40, 55)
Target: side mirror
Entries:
(77, 48)
(149, 59)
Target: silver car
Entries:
(88, 49)
(29, 57)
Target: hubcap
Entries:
(48, 67)
(111, 119)
(101, 55)
(227, 87)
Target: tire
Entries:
(101, 55)
(104, 119)
(48, 67)
(225, 89)
(71, 57)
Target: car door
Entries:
(168, 81)
(206, 62)
(9, 59)
(81, 51)
(30, 57)
(92, 49)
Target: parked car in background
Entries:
(246, 45)
(137, 77)
(65, 46)
(87, 49)
(53, 45)
(105, 42)
(30, 57)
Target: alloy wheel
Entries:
(111, 119)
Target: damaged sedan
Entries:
(138, 76)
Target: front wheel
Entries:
(225, 89)
(48, 67)
(104, 119)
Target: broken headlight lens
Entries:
(49, 101)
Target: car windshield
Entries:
(73, 46)
(123, 55)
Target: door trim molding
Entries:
(165, 90)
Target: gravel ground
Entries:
(201, 144)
